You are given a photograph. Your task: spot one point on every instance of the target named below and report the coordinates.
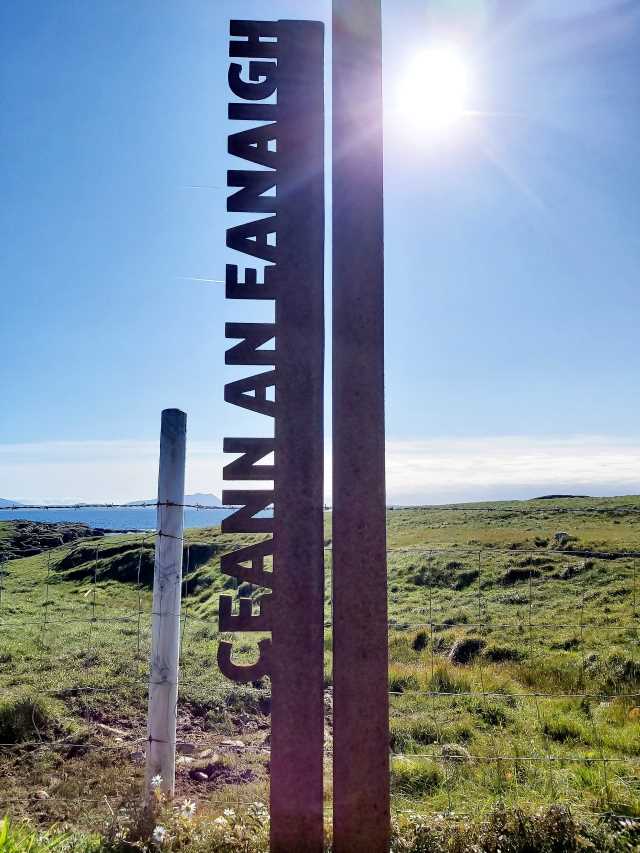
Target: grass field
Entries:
(514, 681)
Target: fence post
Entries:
(167, 583)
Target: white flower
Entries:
(188, 808)
(159, 835)
(221, 821)
(156, 781)
(229, 813)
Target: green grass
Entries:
(21, 838)
(524, 725)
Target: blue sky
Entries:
(512, 247)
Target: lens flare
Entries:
(435, 89)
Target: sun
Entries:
(435, 89)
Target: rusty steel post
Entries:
(360, 646)
(297, 715)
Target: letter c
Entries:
(244, 674)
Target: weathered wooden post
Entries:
(282, 59)
(167, 583)
(360, 650)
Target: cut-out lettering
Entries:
(247, 564)
(249, 504)
(253, 146)
(251, 337)
(253, 34)
(244, 674)
(252, 450)
(251, 197)
(250, 288)
(262, 81)
(251, 393)
(252, 238)
(244, 619)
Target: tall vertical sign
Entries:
(277, 77)
(360, 650)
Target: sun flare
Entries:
(435, 89)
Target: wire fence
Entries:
(523, 685)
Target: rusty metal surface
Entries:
(290, 151)
(360, 651)
(298, 632)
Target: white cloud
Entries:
(420, 471)
(499, 467)
(99, 471)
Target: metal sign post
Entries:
(276, 74)
(360, 646)
(278, 77)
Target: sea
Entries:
(116, 519)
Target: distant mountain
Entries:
(5, 502)
(198, 498)
(557, 497)
(202, 499)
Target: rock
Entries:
(463, 651)
(570, 572)
(185, 748)
(220, 774)
(328, 700)
(455, 752)
(515, 574)
(28, 538)
(137, 756)
(198, 776)
(232, 744)
(111, 730)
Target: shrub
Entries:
(534, 561)
(27, 718)
(503, 654)
(465, 650)
(553, 674)
(406, 736)
(516, 575)
(491, 713)
(401, 681)
(444, 680)
(619, 671)
(563, 728)
(20, 838)
(420, 641)
(459, 617)
(549, 830)
(465, 579)
(414, 776)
